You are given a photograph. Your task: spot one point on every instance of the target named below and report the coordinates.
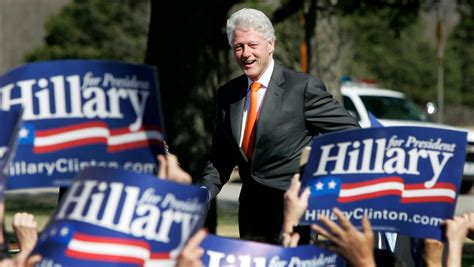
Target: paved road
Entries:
(229, 195)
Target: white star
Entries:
(23, 133)
(332, 184)
(64, 231)
(53, 232)
(319, 186)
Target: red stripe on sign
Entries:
(372, 182)
(108, 240)
(387, 192)
(70, 144)
(102, 257)
(92, 124)
(437, 185)
(160, 256)
(427, 199)
(132, 145)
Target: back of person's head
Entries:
(250, 19)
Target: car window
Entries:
(349, 105)
(394, 108)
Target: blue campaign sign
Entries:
(112, 217)
(221, 251)
(404, 179)
(11, 122)
(81, 113)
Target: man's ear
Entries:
(271, 43)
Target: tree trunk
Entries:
(188, 45)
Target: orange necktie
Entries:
(247, 142)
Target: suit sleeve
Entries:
(322, 112)
(222, 162)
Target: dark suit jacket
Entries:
(295, 108)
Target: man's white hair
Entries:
(250, 19)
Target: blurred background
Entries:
(420, 47)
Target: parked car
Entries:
(394, 108)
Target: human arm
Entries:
(24, 226)
(456, 231)
(322, 112)
(222, 160)
(294, 207)
(170, 170)
(191, 254)
(354, 245)
(433, 253)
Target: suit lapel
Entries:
(236, 110)
(270, 102)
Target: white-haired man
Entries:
(263, 120)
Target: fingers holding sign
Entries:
(356, 246)
(169, 169)
(192, 252)
(295, 204)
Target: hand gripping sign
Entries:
(80, 113)
(404, 179)
(220, 251)
(111, 217)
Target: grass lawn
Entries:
(41, 206)
(227, 222)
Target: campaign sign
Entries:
(80, 113)
(112, 217)
(11, 121)
(220, 251)
(404, 179)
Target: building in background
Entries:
(22, 28)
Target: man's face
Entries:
(252, 52)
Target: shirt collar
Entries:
(266, 76)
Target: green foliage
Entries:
(289, 41)
(397, 15)
(461, 51)
(379, 54)
(405, 61)
(97, 29)
(189, 48)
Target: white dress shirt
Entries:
(264, 81)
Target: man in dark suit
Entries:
(290, 108)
